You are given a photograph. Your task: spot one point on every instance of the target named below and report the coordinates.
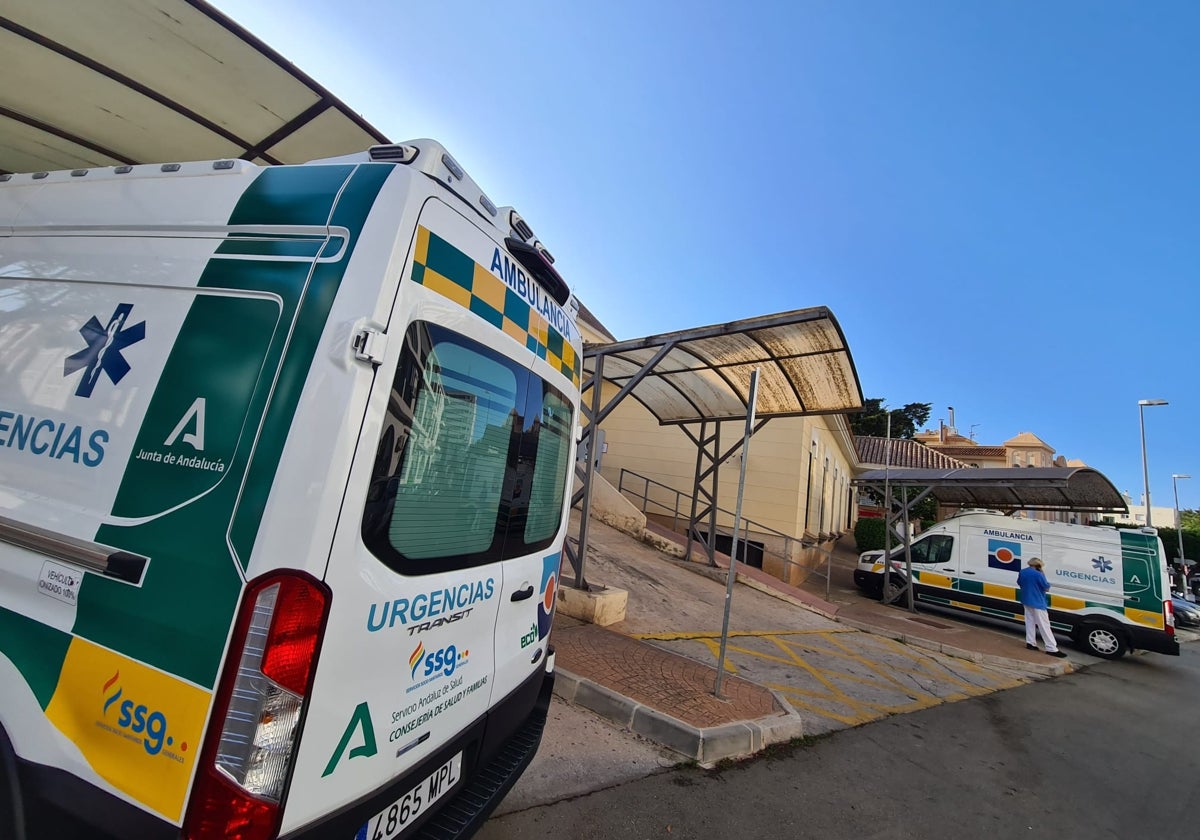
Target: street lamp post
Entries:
(1145, 467)
(1179, 529)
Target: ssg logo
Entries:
(139, 720)
(103, 351)
(428, 666)
(1003, 554)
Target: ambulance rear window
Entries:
(471, 466)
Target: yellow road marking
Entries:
(828, 699)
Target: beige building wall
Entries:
(787, 503)
(1162, 516)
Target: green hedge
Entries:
(1191, 543)
(868, 534)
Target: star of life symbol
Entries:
(1102, 565)
(103, 351)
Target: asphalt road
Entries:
(1110, 752)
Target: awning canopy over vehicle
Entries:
(1036, 488)
(703, 374)
(103, 84)
(698, 378)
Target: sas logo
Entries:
(549, 592)
(1003, 554)
(103, 351)
(138, 719)
(1102, 565)
(430, 665)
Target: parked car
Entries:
(1187, 613)
(864, 579)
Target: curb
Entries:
(820, 607)
(705, 745)
(1050, 669)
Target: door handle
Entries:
(522, 594)
(967, 572)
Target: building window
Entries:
(808, 501)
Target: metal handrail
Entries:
(681, 498)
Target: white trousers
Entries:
(1038, 620)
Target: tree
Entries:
(905, 421)
(1189, 520)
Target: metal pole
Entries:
(828, 572)
(1179, 533)
(908, 575)
(589, 471)
(887, 509)
(1145, 466)
(737, 524)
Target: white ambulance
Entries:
(1109, 589)
(284, 470)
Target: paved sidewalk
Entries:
(667, 697)
(811, 663)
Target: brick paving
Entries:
(661, 680)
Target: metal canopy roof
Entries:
(703, 374)
(101, 84)
(1009, 488)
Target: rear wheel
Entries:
(1103, 640)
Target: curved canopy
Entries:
(1009, 488)
(704, 373)
(103, 84)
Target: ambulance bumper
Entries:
(1155, 641)
(38, 802)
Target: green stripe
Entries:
(487, 312)
(353, 207)
(450, 262)
(232, 351)
(38, 652)
(290, 248)
(1141, 571)
(516, 309)
(974, 587)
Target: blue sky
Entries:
(997, 201)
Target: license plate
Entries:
(391, 821)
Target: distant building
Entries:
(876, 453)
(1162, 517)
(1024, 450)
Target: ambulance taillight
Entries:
(255, 727)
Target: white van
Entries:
(1109, 588)
(284, 460)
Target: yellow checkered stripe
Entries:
(442, 268)
(1066, 603)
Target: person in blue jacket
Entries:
(1032, 587)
